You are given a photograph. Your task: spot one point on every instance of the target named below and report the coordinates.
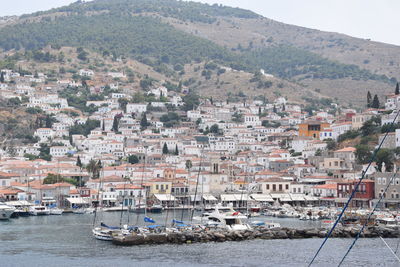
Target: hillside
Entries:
(171, 35)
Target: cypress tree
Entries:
(79, 162)
(2, 77)
(116, 123)
(165, 149)
(176, 150)
(397, 91)
(143, 121)
(375, 102)
(369, 99)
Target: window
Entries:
(267, 186)
(274, 187)
(287, 187)
(156, 186)
(294, 190)
(280, 187)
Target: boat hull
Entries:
(6, 214)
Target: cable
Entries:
(369, 217)
(354, 190)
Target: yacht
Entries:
(39, 210)
(231, 220)
(6, 211)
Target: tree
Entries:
(143, 122)
(123, 102)
(369, 127)
(363, 153)
(191, 100)
(397, 90)
(94, 168)
(330, 144)
(274, 110)
(214, 129)
(2, 79)
(375, 102)
(79, 162)
(115, 125)
(387, 156)
(165, 149)
(369, 99)
(188, 164)
(176, 150)
(237, 117)
(133, 159)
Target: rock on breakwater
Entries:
(202, 236)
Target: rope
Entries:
(354, 190)
(391, 250)
(369, 217)
(197, 183)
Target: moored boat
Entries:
(39, 210)
(6, 211)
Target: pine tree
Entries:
(375, 102)
(397, 91)
(176, 150)
(165, 149)
(369, 99)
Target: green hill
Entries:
(141, 29)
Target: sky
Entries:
(377, 20)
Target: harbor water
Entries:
(67, 241)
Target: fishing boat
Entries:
(39, 210)
(6, 211)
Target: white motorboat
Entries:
(39, 210)
(6, 211)
(56, 211)
(231, 220)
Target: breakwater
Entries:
(202, 236)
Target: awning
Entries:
(19, 203)
(165, 197)
(282, 197)
(234, 197)
(77, 200)
(262, 197)
(311, 198)
(208, 197)
(228, 197)
(297, 197)
(198, 198)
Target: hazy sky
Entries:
(374, 19)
